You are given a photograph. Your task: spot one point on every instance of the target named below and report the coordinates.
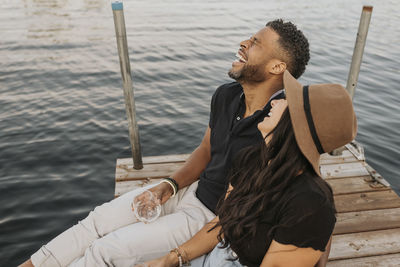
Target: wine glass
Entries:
(147, 208)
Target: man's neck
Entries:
(258, 94)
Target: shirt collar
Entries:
(272, 97)
(277, 93)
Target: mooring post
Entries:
(120, 33)
(357, 58)
(359, 49)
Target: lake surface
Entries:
(62, 114)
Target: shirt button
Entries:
(238, 118)
(233, 254)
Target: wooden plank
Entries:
(126, 186)
(155, 159)
(355, 185)
(367, 201)
(391, 260)
(149, 171)
(365, 244)
(154, 169)
(341, 170)
(376, 176)
(371, 220)
(346, 156)
(332, 171)
(344, 203)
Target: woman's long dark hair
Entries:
(261, 176)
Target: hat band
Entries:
(310, 121)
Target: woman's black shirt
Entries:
(313, 210)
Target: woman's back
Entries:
(304, 217)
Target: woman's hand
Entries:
(162, 192)
(169, 260)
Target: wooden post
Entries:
(120, 32)
(357, 58)
(359, 49)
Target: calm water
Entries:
(62, 115)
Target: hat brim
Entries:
(294, 97)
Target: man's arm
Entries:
(189, 172)
(196, 163)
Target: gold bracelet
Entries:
(182, 256)
(180, 262)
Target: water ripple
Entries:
(62, 119)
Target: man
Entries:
(111, 235)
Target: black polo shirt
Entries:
(229, 134)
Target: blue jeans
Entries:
(219, 257)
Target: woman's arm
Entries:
(205, 240)
(289, 255)
(201, 243)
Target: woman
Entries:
(278, 211)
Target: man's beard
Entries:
(249, 73)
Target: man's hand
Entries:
(161, 191)
(169, 260)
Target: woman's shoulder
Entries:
(310, 192)
(307, 217)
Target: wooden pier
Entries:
(367, 232)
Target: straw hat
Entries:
(322, 116)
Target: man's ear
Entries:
(278, 67)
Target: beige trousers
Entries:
(112, 236)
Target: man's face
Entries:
(254, 57)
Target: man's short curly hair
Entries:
(295, 47)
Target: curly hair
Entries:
(294, 45)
